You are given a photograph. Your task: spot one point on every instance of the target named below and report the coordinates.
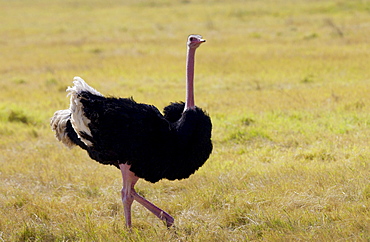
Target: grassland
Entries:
(287, 84)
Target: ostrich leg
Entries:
(129, 181)
(129, 195)
(154, 209)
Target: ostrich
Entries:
(136, 138)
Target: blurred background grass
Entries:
(285, 82)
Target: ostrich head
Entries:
(194, 41)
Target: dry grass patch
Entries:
(285, 82)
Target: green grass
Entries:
(285, 82)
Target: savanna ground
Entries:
(287, 84)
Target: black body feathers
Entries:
(171, 146)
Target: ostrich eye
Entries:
(192, 38)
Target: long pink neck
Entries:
(189, 104)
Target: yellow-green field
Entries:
(286, 83)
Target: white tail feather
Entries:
(79, 121)
(59, 123)
(81, 86)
